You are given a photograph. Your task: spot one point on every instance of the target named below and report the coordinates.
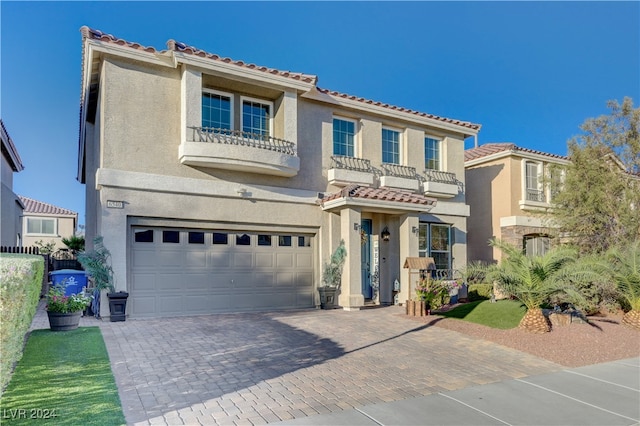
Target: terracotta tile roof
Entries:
(34, 206)
(401, 109)
(381, 194)
(173, 45)
(10, 150)
(494, 148)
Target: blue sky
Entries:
(528, 72)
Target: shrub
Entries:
(20, 285)
(479, 292)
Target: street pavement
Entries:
(333, 367)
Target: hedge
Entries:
(480, 291)
(20, 286)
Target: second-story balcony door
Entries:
(365, 230)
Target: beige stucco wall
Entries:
(65, 228)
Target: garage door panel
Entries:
(242, 260)
(264, 260)
(142, 258)
(194, 259)
(170, 258)
(219, 275)
(304, 260)
(221, 260)
(284, 260)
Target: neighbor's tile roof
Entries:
(173, 45)
(34, 206)
(494, 148)
(381, 194)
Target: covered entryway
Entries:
(189, 272)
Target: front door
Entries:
(365, 231)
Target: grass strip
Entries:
(504, 314)
(63, 378)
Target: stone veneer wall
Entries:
(515, 234)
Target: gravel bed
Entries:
(603, 339)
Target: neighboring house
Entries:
(11, 207)
(223, 186)
(506, 191)
(45, 222)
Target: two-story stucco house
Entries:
(506, 191)
(223, 186)
(11, 207)
(46, 223)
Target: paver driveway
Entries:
(265, 367)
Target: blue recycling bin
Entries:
(72, 280)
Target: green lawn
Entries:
(63, 378)
(503, 314)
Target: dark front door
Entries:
(366, 258)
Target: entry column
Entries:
(409, 228)
(351, 297)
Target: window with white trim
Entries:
(344, 132)
(536, 245)
(217, 109)
(390, 146)
(431, 153)
(434, 240)
(41, 226)
(533, 187)
(256, 116)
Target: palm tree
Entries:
(532, 280)
(623, 266)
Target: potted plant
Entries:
(332, 277)
(64, 312)
(97, 263)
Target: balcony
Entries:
(238, 150)
(440, 184)
(534, 199)
(399, 177)
(345, 171)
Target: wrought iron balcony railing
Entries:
(351, 163)
(389, 169)
(238, 137)
(441, 177)
(536, 195)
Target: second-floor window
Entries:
(431, 154)
(344, 132)
(41, 226)
(533, 188)
(256, 116)
(390, 146)
(217, 110)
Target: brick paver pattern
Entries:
(257, 368)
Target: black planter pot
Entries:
(327, 297)
(118, 305)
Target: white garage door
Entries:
(191, 272)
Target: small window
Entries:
(145, 236)
(264, 240)
(390, 146)
(344, 132)
(304, 241)
(196, 237)
(171, 237)
(217, 110)
(41, 226)
(243, 240)
(256, 117)
(284, 240)
(431, 154)
(220, 238)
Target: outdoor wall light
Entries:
(415, 230)
(356, 226)
(385, 234)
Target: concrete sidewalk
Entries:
(335, 367)
(602, 394)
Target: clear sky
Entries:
(529, 72)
